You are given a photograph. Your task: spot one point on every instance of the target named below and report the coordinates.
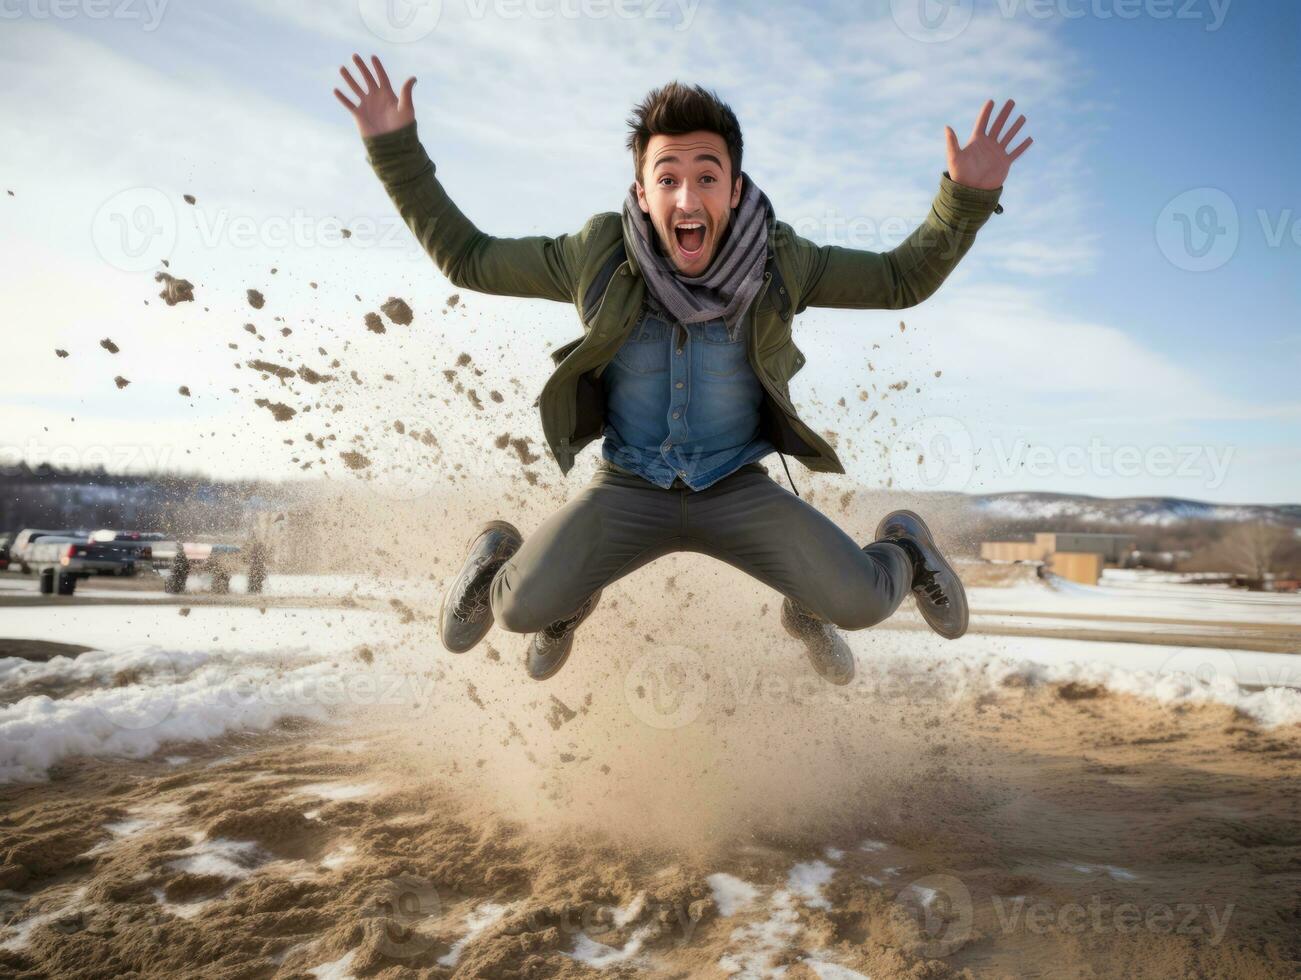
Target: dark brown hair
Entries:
(677, 109)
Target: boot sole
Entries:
(442, 609)
(555, 668)
(808, 653)
(959, 600)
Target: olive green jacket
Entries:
(594, 270)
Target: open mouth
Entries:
(691, 238)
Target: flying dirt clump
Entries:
(521, 446)
(174, 290)
(398, 311)
(60, 352)
(354, 460)
(121, 382)
(559, 713)
(256, 299)
(184, 390)
(453, 300)
(109, 346)
(270, 367)
(189, 198)
(281, 411)
(374, 324)
(313, 377)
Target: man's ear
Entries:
(736, 192)
(641, 199)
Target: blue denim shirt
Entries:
(682, 402)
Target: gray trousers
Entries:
(620, 522)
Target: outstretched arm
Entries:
(538, 266)
(906, 275)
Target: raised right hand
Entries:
(378, 109)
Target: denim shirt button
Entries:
(678, 385)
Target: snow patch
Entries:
(339, 969)
(600, 956)
(479, 920)
(807, 881)
(731, 894)
(218, 856)
(763, 940)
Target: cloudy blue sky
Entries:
(1127, 327)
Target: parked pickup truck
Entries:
(20, 547)
(60, 561)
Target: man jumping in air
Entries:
(686, 300)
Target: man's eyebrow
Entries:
(711, 158)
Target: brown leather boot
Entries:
(940, 596)
(466, 616)
(826, 648)
(549, 648)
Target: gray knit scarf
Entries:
(733, 278)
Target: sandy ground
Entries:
(685, 799)
(1039, 832)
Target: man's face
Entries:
(688, 190)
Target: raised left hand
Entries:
(985, 160)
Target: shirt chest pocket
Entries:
(723, 357)
(646, 351)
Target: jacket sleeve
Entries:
(538, 266)
(857, 279)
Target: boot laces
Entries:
(561, 627)
(475, 600)
(925, 581)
